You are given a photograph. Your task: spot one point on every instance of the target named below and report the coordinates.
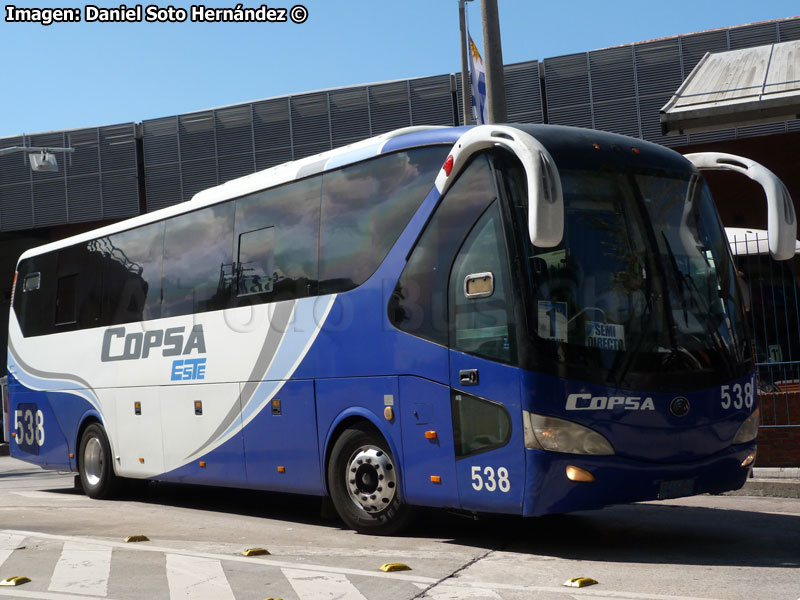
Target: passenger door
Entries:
(486, 410)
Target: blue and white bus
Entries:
(518, 319)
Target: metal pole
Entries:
(493, 61)
(34, 149)
(466, 96)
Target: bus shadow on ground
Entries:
(653, 534)
(647, 533)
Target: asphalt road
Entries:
(71, 547)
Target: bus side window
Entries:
(66, 300)
(277, 239)
(198, 248)
(365, 208)
(132, 274)
(78, 287)
(480, 325)
(419, 302)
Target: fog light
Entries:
(751, 458)
(578, 474)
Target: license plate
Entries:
(677, 488)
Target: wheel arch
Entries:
(349, 419)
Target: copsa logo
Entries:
(589, 402)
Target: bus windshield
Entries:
(626, 303)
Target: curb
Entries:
(772, 488)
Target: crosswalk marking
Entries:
(197, 578)
(266, 561)
(19, 594)
(82, 568)
(317, 585)
(8, 543)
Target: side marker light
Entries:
(431, 435)
(578, 474)
(72, 455)
(202, 464)
(141, 460)
(281, 469)
(448, 165)
(751, 458)
(388, 413)
(436, 479)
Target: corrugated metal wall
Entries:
(97, 182)
(187, 153)
(616, 89)
(622, 89)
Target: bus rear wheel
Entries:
(364, 483)
(95, 466)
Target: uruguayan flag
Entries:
(477, 79)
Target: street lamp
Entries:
(44, 162)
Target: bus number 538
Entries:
(29, 424)
(485, 478)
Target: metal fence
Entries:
(774, 317)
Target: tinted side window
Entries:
(277, 233)
(419, 302)
(478, 425)
(79, 287)
(132, 274)
(35, 308)
(481, 323)
(365, 208)
(66, 300)
(198, 261)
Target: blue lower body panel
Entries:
(621, 480)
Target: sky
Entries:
(88, 74)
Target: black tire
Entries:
(364, 483)
(95, 464)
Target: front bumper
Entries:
(620, 480)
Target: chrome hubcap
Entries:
(93, 461)
(371, 479)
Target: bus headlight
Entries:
(560, 435)
(749, 429)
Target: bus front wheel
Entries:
(95, 465)
(364, 483)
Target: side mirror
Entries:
(545, 198)
(781, 219)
